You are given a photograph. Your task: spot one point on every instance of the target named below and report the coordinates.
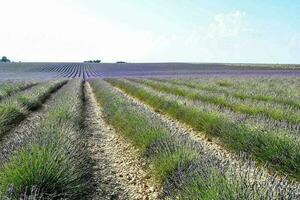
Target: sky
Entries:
(232, 31)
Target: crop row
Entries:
(8, 88)
(278, 90)
(184, 168)
(15, 109)
(260, 120)
(51, 163)
(281, 86)
(279, 151)
(273, 111)
(72, 70)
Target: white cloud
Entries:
(215, 42)
(227, 25)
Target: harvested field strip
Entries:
(176, 161)
(7, 89)
(244, 92)
(119, 173)
(52, 161)
(13, 110)
(281, 152)
(269, 110)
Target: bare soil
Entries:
(119, 171)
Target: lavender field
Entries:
(91, 70)
(149, 131)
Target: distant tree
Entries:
(92, 61)
(4, 59)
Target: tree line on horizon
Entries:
(92, 61)
(4, 59)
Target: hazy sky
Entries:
(151, 30)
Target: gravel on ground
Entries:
(119, 170)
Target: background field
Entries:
(84, 70)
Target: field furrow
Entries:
(15, 109)
(250, 121)
(72, 72)
(8, 89)
(18, 135)
(284, 92)
(65, 71)
(149, 131)
(119, 173)
(177, 161)
(52, 162)
(273, 111)
(280, 151)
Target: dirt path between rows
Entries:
(118, 169)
